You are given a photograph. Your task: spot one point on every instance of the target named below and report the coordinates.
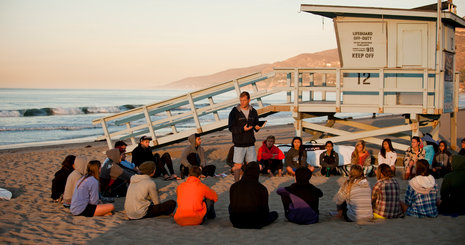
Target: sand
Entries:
(30, 217)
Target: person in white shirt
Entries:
(387, 155)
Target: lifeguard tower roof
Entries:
(427, 12)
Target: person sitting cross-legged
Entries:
(142, 200)
(385, 196)
(195, 200)
(300, 200)
(270, 157)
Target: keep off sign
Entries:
(362, 44)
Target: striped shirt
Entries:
(385, 198)
(358, 200)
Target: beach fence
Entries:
(395, 61)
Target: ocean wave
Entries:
(65, 111)
(47, 128)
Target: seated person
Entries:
(422, 193)
(248, 201)
(113, 177)
(442, 161)
(462, 150)
(387, 155)
(59, 182)
(142, 199)
(195, 200)
(270, 157)
(296, 157)
(85, 199)
(143, 153)
(360, 156)
(194, 155)
(329, 160)
(80, 168)
(385, 196)
(125, 163)
(453, 188)
(412, 155)
(300, 200)
(353, 199)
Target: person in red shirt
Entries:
(195, 200)
(270, 157)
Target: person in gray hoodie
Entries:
(194, 155)
(80, 167)
(142, 199)
(113, 177)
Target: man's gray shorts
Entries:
(244, 153)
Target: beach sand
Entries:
(30, 217)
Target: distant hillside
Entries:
(327, 58)
(320, 59)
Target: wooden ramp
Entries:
(163, 114)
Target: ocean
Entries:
(34, 117)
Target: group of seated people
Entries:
(81, 184)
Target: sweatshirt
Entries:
(292, 159)
(266, 153)
(191, 205)
(358, 200)
(236, 122)
(192, 149)
(85, 193)
(141, 192)
(80, 168)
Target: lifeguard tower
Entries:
(398, 61)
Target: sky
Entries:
(137, 44)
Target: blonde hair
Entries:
(355, 176)
(364, 148)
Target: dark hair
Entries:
(245, 94)
(383, 151)
(463, 140)
(422, 167)
(271, 137)
(301, 149)
(120, 143)
(445, 145)
(385, 170)
(67, 164)
(195, 171)
(330, 142)
(196, 136)
(416, 138)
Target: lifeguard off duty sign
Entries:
(362, 44)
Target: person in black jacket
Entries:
(59, 182)
(304, 209)
(243, 121)
(143, 153)
(248, 206)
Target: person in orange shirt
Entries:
(195, 200)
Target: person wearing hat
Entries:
(301, 199)
(143, 153)
(142, 199)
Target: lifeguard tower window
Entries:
(412, 43)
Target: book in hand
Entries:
(261, 124)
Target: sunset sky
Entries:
(138, 44)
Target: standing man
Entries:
(243, 120)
